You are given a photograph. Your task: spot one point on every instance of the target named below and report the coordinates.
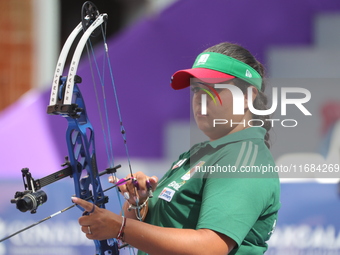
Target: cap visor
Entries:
(181, 79)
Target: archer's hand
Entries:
(101, 224)
(138, 189)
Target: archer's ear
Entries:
(251, 90)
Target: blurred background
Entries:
(148, 40)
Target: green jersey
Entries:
(220, 185)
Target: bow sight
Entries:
(33, 196)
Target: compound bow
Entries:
(66, 100)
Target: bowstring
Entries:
(122, 128)
(107, 137)
(108, 142)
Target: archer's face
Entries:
(219, 106)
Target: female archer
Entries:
(209, 202)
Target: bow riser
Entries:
(81, 150)
(80, 142)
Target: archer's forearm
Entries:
(159, 240)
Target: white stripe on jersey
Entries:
(248, 152)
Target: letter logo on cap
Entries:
(248, 74)
(203, 58)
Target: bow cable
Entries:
(108, 144)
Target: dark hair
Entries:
(242, 54)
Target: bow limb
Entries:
(61, 63)
(76, 57)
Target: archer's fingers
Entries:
(87, 206)
(113, 179)
(153, 182)
(121, 187)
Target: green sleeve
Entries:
(231, 206)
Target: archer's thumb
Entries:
(87, 206)
(153, 181)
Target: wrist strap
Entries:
(138, 207)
